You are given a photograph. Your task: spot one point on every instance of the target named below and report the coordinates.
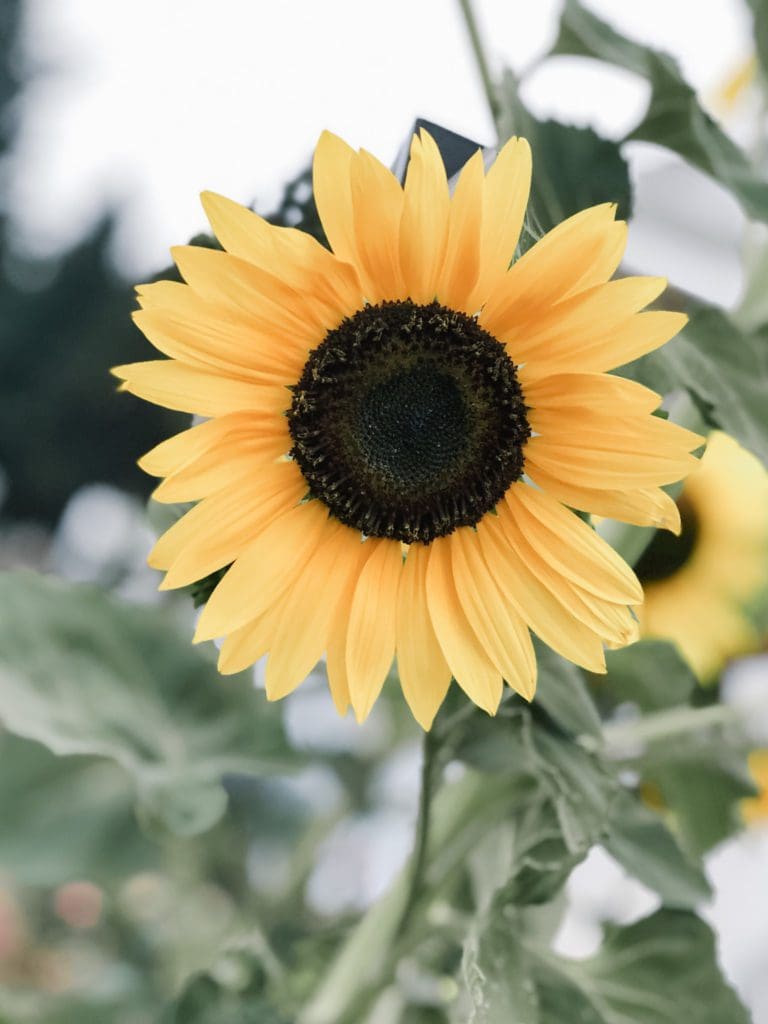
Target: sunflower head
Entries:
(698, 584)
(399, 427)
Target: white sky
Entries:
(144, 104)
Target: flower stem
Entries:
(480, 58)
(421, 844)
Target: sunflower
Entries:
(397, 426)
(754, 809)
(698, 584)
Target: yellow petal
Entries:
(571, 546)
(309, 610)
(371, 632)
(245, 288)
(250, 642)
(650, 507)
(591, 393)
(608, 620)
(220, 466)
(178, 386)
(213, 345)
(261, 336)
(599, 467)
(264, 571)
(333, 194)
(564, 330)
(461, 267)
(178, 451)
(501, 632)
(304, 264)
(635, 337)
(582, 251)
(219, 528)
(424, 223)
(471, 667)
(507, 186)
(533, 601)
(377, 200)
(423, 670)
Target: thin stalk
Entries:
(465, 6)
(421, 845)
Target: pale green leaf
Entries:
(563, 694)
(674, 118)
(661, 970)
(573, 167)
(84, 673)
(642, 843)
(651, 673)
(724, 369)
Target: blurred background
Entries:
(113, 118)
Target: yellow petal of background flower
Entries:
(372, 617)
(424, 672)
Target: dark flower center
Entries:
(408, 421)
(667, 554)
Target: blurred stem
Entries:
(419, 859)
(480, 58)
(664, 725)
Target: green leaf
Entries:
(205, 1001)
(651, 673)
(724, 370)
(642, 843)
(573, 167)
(760, 15)
(674, 118)
(496, 974)
(697, 759)
(563, 694)
(660, 970)
(84, 673)
(76, 819)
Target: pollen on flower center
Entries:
(408, 421)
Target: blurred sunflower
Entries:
(755, 808)
(698, 584)
(373, 411)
